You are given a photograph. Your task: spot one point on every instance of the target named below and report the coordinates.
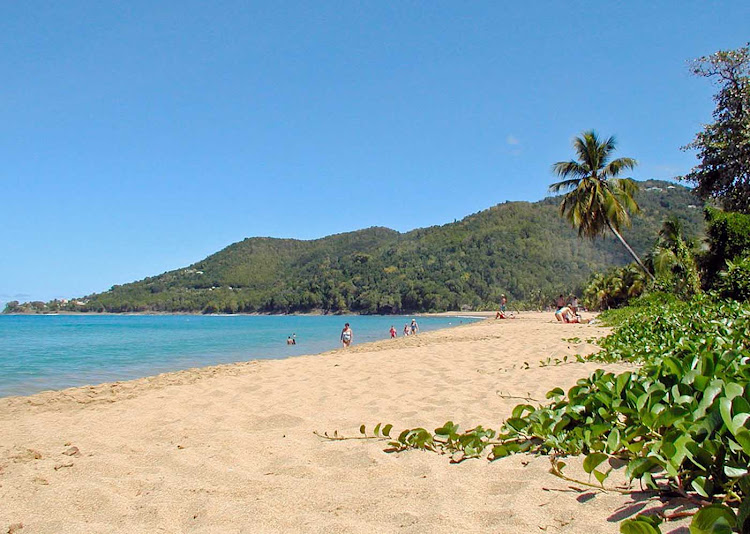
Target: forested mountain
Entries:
(522, 249)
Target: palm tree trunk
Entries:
(631, 251)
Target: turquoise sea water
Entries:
(42, 352)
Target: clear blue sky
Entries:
(138, 137)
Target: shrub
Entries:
(734, 282)
(728, 238)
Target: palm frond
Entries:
(605, 150)
(569, 168)
(589, 151)
(624, 189)
(615, 167)
(565, 185)
(616, 213)
(671, 230)
(664, 261)
(580, 145)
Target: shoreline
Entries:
(257, 314)
(200, 368)
(228, 448)
(166, 378)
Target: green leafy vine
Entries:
(680, 423)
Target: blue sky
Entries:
(139, 137)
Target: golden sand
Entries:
(231, 448)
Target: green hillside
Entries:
(522, 249)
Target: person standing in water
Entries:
(346, 335)
(393, 332)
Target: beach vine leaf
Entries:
(641, 524)
(680, 422)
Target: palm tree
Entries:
(596, 199)
(634, 282)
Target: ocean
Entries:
(48, 352)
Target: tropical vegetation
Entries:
(519, 249)
(721, 266)
(679, 422)
(723, 146)
(673, 260)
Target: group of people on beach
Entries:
(567, 310)
(409, 329)
(347, 336)
(503, 312)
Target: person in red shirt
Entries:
(393, 332)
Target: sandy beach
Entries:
(231, 448)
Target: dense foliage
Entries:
(728, 239)
(672, 258)
(681, 267)
(724, 145)
(673, 261)
(615, 288)
(681, 421)
(519, 249)
(734, 282)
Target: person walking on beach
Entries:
(346, 335)
(414, 326)
(406, 329)
(393, 331)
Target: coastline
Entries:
(62, 352)
(257, 314)
(168, 377)
(231, 448)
